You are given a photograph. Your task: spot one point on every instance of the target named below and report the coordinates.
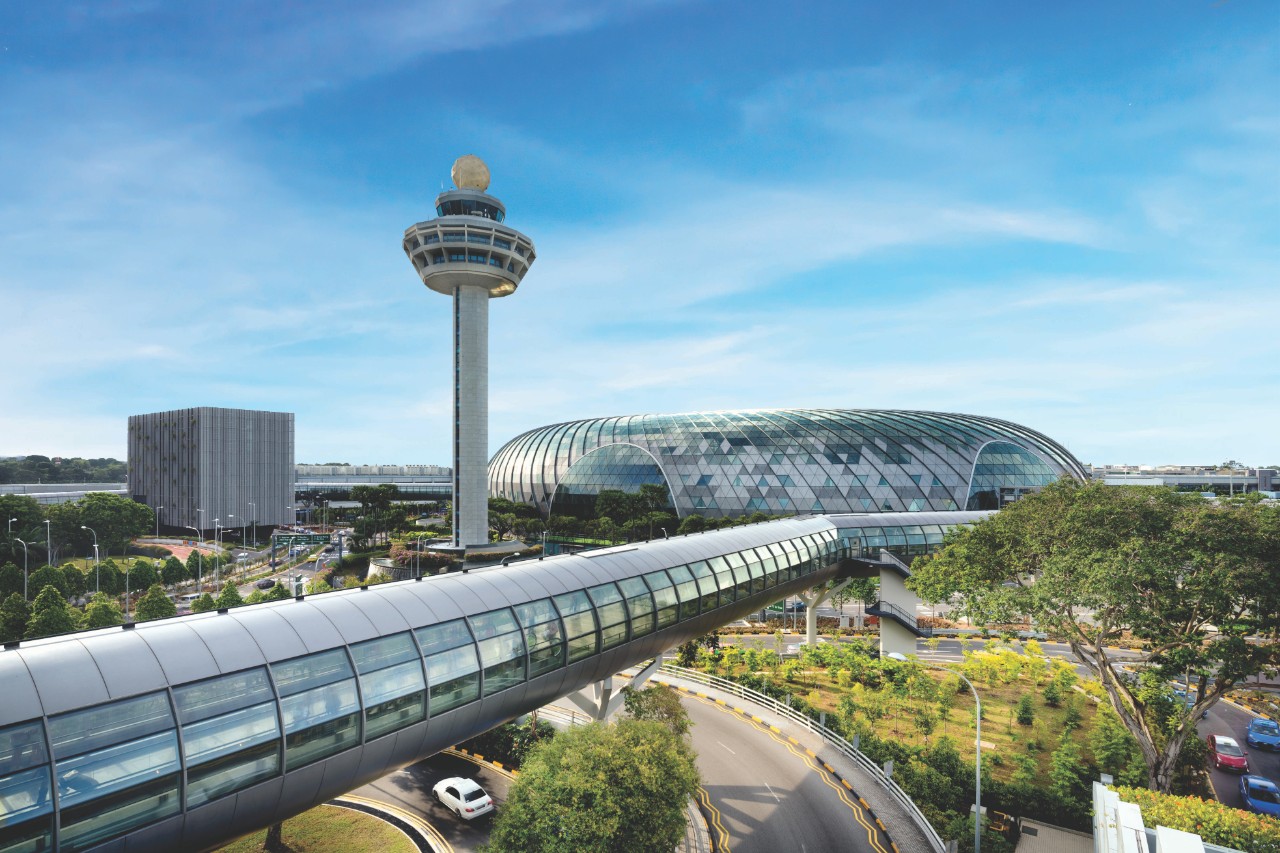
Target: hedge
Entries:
(1214, 822)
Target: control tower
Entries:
(468, 253)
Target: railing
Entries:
(888, 608)
(831, 737)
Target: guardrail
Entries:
(831, 737)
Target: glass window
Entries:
(501, 244)
(230, 733)
(686, 591)
(664, 598)
(391, 681)
(455, 236)
(498, 637)
(724, 579)
(579, 624)
(117, 769)
(706, 585)
(319, 704)
(640, 605)
(612, 613)
(26, 792)
(543, 635)
(743, 573)
(453, 671)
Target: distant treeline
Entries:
(42, 469)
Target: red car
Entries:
(1226, 754)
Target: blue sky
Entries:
(1065, 215)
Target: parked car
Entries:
(795, 607)
(463, 797)
(1226, 754)
(1260, 795)
(1263, 734)
(265, 583)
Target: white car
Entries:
(463, 797)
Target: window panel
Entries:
(579, 624)
(664, 598)
(639, 605)
(501, 649)
(319, 704)
(216, 696)
(706, 585)
(544, 636)
(26, 790)
(612, 613)
(230, 734)
(686, 591)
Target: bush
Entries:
(1026, 712)
(1214, 822)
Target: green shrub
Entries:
(1214, 822)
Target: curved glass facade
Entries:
(620, 467)
(785, 461)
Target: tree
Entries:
(108, 577)
(229, 597)
(76, 583)
(142, 575)
(155, 605)
(1052, 694)
(1025, 712)
(173, 572)
(102, 612)
(660, 704)
(616, 505)
(116, 519)
(1069, 775)
(599, 788)
(1162, 565)
(10, 581)
(15, 613)
(692, 524)
(195, 564)
(50, 615)
(27, 527)
(203, 604)
(48, 576)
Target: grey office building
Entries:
(197, 466)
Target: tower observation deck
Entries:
(469, 253)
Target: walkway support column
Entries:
(811, 601)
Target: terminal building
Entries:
(783, 462)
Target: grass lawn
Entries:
(330, 829)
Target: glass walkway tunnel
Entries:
(186, 733)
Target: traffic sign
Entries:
(288, 540)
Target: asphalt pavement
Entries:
(410, 789)
(1227, 719)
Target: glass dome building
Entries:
(782, 461)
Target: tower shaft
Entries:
(470, 415)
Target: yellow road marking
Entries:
(717, 821)
(791, 744)
(479, 762)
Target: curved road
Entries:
(768, 794)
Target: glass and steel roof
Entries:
(783, 461)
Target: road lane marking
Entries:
(873, 837)
(731, 752)
(772, 794)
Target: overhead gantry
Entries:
(188, 732)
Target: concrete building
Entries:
(469, 254)
(206, 466)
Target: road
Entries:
(767, 794)
(1226, 719)
(410, 789)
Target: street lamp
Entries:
(158, 521)
(217, 554)
(199, 561)
(417, 558)
(11, 521)
(201, 512)
(253, 512)
(24, 568)
(48, 542)
(97, 582)
(977, 747)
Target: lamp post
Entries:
(325, 522)
(417, 558)
(126, 590)
(48, 542)
(97, 581)
(201, 513)
(158, 521)
(977, 747)
(11, 521)
(25, 597)
(253, 513)
(217, 554)
(199, 561)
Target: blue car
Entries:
(1263, 734)
(1260, 795)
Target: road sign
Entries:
(289, 540)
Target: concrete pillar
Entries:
(471, 416)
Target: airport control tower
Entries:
(467, 252)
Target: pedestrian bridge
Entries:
(185, 733)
